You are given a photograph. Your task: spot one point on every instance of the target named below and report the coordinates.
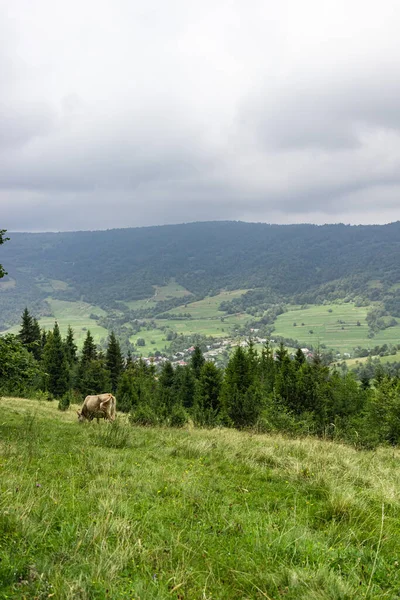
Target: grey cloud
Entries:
(119, 114)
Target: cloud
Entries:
(124, 113)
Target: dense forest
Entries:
(303, 263)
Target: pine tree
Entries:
(267, 369)
(197, 361)
(299, 359)
(55, 364)
(30, 334)
(89, 354)
(89, 351)
(114, 361)
(37, 340)
(184, 384)
(26, 331)
(95, 378)
(241, 392)
(70, 347)
(166, 393)
(208, 390)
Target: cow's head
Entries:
(81, 418)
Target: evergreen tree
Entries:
(37, 340)
(70, 347)
(241, 393)
(267, 368)
(114, 361)
(184, 385)
(166, 393)
(197, 361)
(95, 378)
(55, 364)
(129, 360)
(89, 351)
(299, 359)
(89, 355)
(30, 334)
(208, 390)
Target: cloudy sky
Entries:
(119, 113)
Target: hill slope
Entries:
(120, 512)
(101, 267)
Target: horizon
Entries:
(10, 232)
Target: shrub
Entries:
(178, 417)
(144, 415)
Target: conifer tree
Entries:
(89, 351)
(84, 376)
(208, 390)
(241, 396)
(166, 393)
(30, 334)
(184, 384)
(197, 361)
(37, 340)
(267, 369)
(70, 346)
(55, 364)
(299, 358)
(114, 360)
(26, 331)
(94, 378)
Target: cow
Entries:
(97, 407)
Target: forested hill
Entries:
(123, 264)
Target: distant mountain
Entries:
(296, 261)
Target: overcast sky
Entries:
(120, 113)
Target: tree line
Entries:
(264, 390)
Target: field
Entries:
(334, 325)
(165, 292)
(110, 511)
(76, 314)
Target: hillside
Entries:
(106, 511)
(116, 279)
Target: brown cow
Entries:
(97, 407)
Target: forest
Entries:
(298, 263)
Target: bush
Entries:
(64, 402)
(178, 417)
(144, 415)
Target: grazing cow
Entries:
(97, 407)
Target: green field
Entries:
(352, 362)
(327, 329)
(208, 307)
(76, 314)
(161, 293)
(92, 512)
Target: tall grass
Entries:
(114, 511)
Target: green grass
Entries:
(352, 362)
(327, 329)
(76, 314)
(208, 307)
(88, 512)
(161, 293)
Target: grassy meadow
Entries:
(113, 511)
(76, 314)
(334, 325)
